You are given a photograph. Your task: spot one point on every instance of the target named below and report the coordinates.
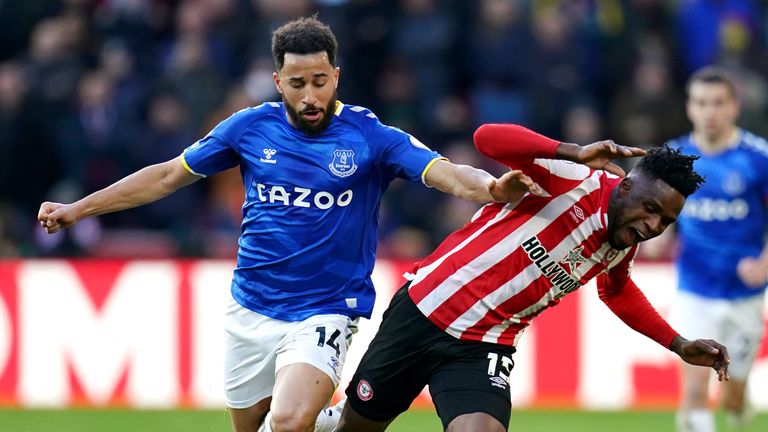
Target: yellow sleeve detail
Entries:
(426, 168)
(186, 167)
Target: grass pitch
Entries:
(88, 420)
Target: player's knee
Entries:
(293, 421)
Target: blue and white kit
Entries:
(310, 213)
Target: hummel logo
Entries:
(268, 153)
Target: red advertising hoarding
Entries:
(150, 333)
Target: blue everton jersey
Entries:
(725, 220)
(310, 213)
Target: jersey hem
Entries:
(304, 314)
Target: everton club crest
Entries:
(343, 163)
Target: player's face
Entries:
(307, 83)
(712, 108)
(641, 209)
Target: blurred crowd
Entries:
(92, 90)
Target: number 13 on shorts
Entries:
(500, 366)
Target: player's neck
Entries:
(716, 143)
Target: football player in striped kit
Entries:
(455, 324)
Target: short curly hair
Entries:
(305, 35)
(672, 167)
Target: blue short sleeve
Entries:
(401, 154)
(217, 151)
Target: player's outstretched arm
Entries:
(703, 352)
(510, 143)
(144, 186)
(477, 185)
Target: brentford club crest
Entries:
(609, 256)
(364, 390)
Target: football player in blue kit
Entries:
(723, 259)
(314, 171)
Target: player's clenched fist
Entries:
(55, 216)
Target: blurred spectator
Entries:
(93, 139)
(497, 61)
(582, 124)
(103, 87)
(558, 59)
(424, 35)
(648, 109)
(709, 28)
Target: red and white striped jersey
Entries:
(488, 280)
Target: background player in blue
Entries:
(314, 171)
(723, 259)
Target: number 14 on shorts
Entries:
(331, 341)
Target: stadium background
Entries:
(91, 90)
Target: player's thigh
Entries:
(352, 421)
(397, 364)
(473, 380)
(321, 341)
(475, 422)
(742, 334)
(250, 352)
(309, 362)
(697, 317)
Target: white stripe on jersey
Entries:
(523, 280)
(754, 142)
(564, 169)
(428, 269)
(476, 319)
(493, 334)
(500, 250)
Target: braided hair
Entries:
(672, 167)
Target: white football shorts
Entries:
(257, 346)
(738, 324)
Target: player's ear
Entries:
(336, 74)
(625, 186)
(276, 78)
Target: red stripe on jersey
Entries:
(508, 267)
(490, 286)
(524, 210)
(509, 334)
(529, 206)
(485, 283)
(487, 213)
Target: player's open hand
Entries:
(704, 352)
(598, 155)
(55, 216)
(753, 272)
(513, 185)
